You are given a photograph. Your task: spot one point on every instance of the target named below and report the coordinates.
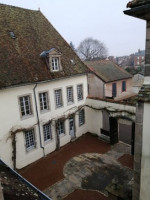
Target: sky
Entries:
(103, 20)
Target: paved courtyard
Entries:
(82, 168)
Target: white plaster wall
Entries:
(10, 118)
(94, 117)
(145, 162)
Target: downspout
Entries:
(38, 121)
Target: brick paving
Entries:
(80, 165)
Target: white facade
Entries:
(11, 120)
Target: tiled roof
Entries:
(136, 3)
(14, 187)
(107, 70)
(20, 61)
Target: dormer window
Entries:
(55, 64)
(52, 59)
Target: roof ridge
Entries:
(17, 7)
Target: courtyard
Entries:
(82, 169)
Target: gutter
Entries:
(37, 114)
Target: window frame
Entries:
(68, 97)
(30, 106)
(33, 146)
(47, 136)
(47, 102)
(78, 95)
(55, 68)
(124, 87)
(61, 95)
(59, 123)
(81, 117)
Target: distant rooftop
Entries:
(140, 53)
(107, 70)
(15, 187)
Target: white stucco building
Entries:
(43, 87)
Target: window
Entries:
(80, 92)
(43, 101)
(30, 139)
(47, 132)
(55, 64)
(61, 127)
(25, 106)
(81, 117)
(114, 89)
(58, 98)
(70, 95)
(123, 86)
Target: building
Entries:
(141, 9)
(43, 87)
(107, 80)
(139, 58)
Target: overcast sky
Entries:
(104, 20)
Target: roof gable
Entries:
(107, 70)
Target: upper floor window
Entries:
(80, 92)
(25, 105)
(43, 101)
(55, 64)
(58, 98)
(70, 95)
(29, 139)
(61, 127)
(47, 132)
(123, 86)
(114, 89)
(81, 117)
(52, 58)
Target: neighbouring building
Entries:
(141, 9)
(139, 58)
(43, 87)
(107, 80)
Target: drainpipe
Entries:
(37, 114)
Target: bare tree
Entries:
(91, 49)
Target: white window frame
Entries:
(81, 117)
(29, 139)
(61, 127)
(55, 64)
(70, 98)
(25, 106)
(44, 101)
(47, 134)
(80, 92)
(58, 98)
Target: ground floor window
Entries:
(61, 127)
(47, 132)
(30, 139)
(81, 117)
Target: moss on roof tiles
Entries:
(107, 70)
(20, 58)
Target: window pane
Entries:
(47, 132)
(81, 117)
(58, 98)
(43, 101)
(25, 105)
(80, 92)
(29, 139)
(70, 95)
